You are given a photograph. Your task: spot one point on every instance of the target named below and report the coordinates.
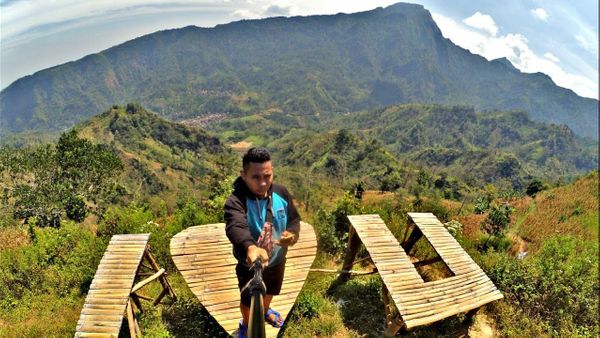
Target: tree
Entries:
(534, 187)
(497, 220)
(70, 179)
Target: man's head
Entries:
(257, 171)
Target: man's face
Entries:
(258, 177)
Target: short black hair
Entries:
(255, 155)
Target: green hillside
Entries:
(492, 145)
(303, 65)
(504, 148)
(160, 157)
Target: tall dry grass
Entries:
(571, 209)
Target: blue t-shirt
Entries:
(256, 216)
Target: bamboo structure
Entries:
(113, 293)
(410, 301)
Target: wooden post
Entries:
(351, 251)
(137, 295)
(137, 327)
(393, 322)
(143, 283)
(428, 261)
(393, 328)
(160, 297)
(412, 240)
(162, 279)
(136, 301)
(471, 315)
(386, 304)
(409, 224)
(131, 320)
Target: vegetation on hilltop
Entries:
(477, 148)
(45, 183)
(161, 158)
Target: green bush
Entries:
(482, 204)
(497, 220)
(332, 226)
(130, 219)
(557, 289)
(454, 227)
(59, 261)
(433, 206)
(534, 187)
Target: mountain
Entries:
(308, 65)
(159, 156)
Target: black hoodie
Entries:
(243, 208)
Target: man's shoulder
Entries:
(236, 197)
(280, 189)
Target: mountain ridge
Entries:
(309, 64)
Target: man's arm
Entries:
(236, 226)
(292, 233)
(293, 223)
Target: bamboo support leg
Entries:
(160, 297)
(136, 301)
(131, 320)
(415, 235)
(386, 304)
(353, 247)
(470, 317)
(137, 327)
(163, 280)
(143, 297)
(393, 321)
(393, 328)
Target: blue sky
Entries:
(559, 38)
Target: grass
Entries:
(42, 316)
(567, 210)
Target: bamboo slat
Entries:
(203, 255)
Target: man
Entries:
(261, 221)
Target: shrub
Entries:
(534, 187)
(454, 228)
(332, 227)
(72, 177)
(497, 220)
(309, 305)
(125, 220)
(557, 289)
(433, 206)
(482, 204)
(57, 262)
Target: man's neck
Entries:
(263, 196)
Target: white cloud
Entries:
(246, 14)
(551, 57)
(586, 43)
(482, 22)
(515, 48)
(540, 13)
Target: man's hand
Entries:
(254, 252)
(287, 239)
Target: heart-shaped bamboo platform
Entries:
(203, 255)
